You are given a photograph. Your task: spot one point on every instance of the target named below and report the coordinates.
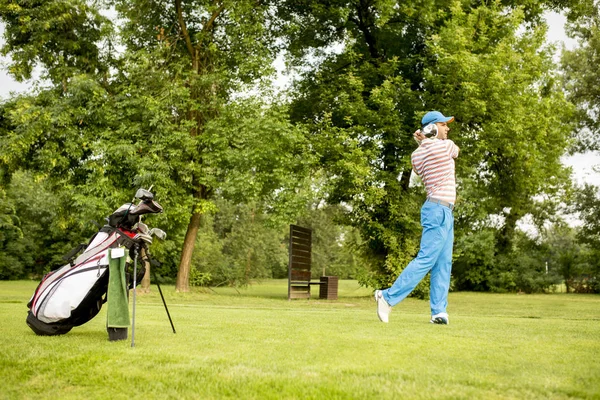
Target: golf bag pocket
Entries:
(62, 292)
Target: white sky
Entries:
(7, 84)
(583, 164)
(586, 166)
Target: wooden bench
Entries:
(299, 268)
(299, 264)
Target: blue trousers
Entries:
(435, 255)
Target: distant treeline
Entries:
(180, 97)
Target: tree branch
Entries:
(364, 21)
(186, 34)
(209, 24)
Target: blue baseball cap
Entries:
(435, 116)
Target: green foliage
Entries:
(238, 244)
(495, 80)
(61, 35)
(523, 272)
(244, 242)
(199, 278)
(11, 241)
(523, 269)
(97, 145)
(334, 245)
(566, 255)
(396, 61)
(474, 260)
(172, 110)
(43, 231)
(586, 277)
(581, 72)
(161, 112)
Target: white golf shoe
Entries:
(383, 308)
(441, 318)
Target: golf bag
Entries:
(74, 293)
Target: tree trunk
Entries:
(507, 233)
(183, 275)
(365, 21)
(199, 67)
(250, 249)
(405, 180)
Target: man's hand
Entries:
(418, 135)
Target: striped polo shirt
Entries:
(433, 161)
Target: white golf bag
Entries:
(74, 293)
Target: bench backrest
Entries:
(299, 263)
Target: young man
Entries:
(433, 161)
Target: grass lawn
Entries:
(256, 344)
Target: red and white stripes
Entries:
(433, 161)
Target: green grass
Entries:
(258, 345)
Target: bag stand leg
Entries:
(164, 302)
(135, 256)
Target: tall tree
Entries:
(11, 244)
(63, 36)
(206, 49)
(483, 62)
(166, 112)
(581, 70)
(587, 205)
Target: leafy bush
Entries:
(198, 278)
(474, 261)
(523, 271)
(478, 267)
(11, 242)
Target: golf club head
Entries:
(159, 233)
(430, 131)
(147, 207)
(146, 237)
(143, 194)
(141, 227)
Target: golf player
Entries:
(433, 161)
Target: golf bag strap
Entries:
(96, 223)
(123, 239)
(71, 255)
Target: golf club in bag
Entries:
(74, 293)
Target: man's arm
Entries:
(418, 136)
(453, 149)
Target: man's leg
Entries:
(440, 273)
(432, 241)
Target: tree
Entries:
(397, 61)
(239, 244)
(166, 111)
(581, 72)
(60, 35)
(587, 205)
(193, 45)
(496, 80)
(33, 242)
(568, 257)
(11, 244)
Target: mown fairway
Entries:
(256, 344)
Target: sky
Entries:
(586, 167)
